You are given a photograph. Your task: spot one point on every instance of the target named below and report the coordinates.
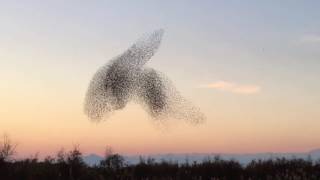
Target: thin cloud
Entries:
(233, 87)
(311, 38)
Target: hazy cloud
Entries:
(233, 87)
(311, 38)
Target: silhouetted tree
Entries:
(7, 148)
(75, 163)
(112, 164)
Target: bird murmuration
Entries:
(126, 78)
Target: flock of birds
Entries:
(127, 78)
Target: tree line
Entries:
(69, 165)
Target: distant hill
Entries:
(244, 159)
(92, 159)
(315, 152)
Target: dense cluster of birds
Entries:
(126, 78)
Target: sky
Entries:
(252, 67)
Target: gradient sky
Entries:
(251, 66)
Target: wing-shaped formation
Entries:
(141, 51)
(125, 78)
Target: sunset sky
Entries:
(253, 68)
